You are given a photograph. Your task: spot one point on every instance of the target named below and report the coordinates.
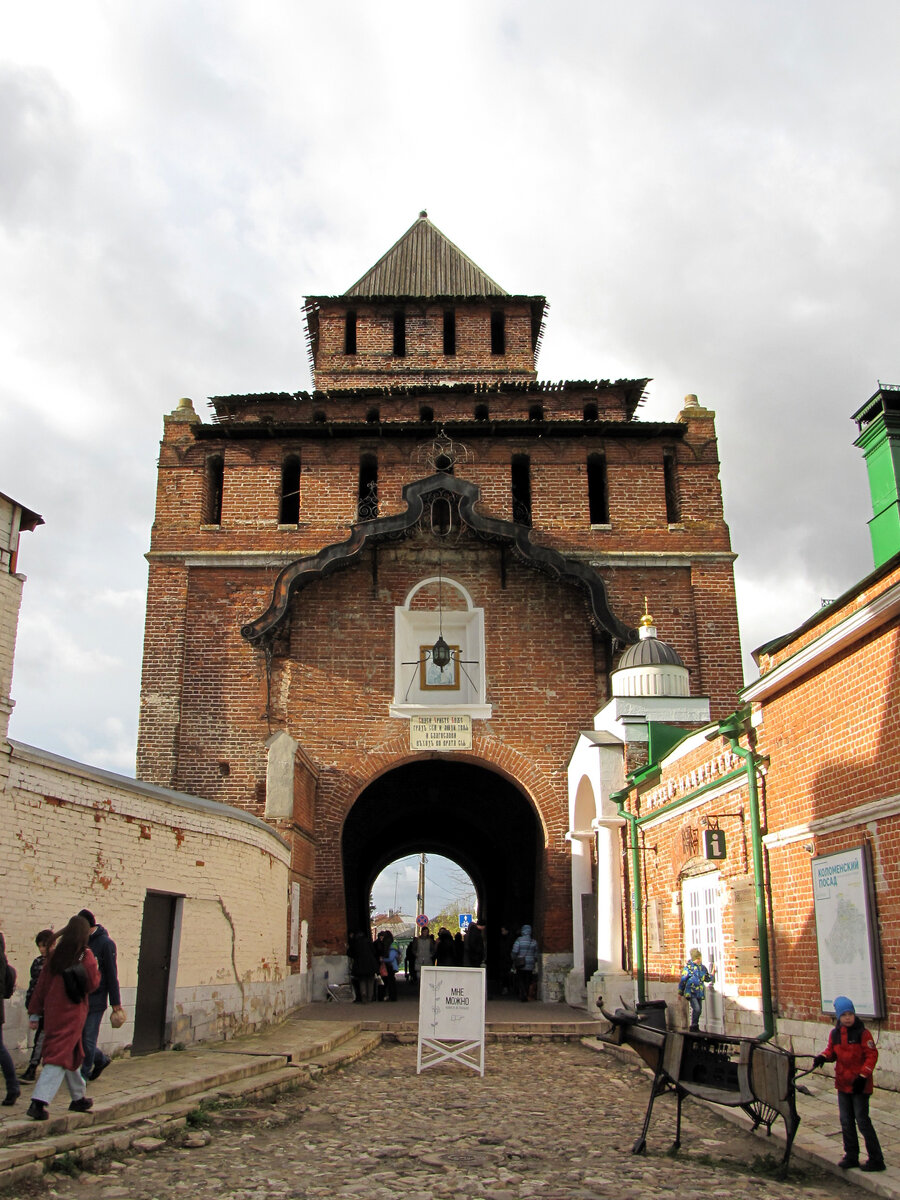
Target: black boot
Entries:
(11, 1098)
(37, 1110)
(29, 1074)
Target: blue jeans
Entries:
(854, 1112)
(696, 1003)
(89, 1036)
(51, 1077)
(6, 1065)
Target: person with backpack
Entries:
(61, 998)
(524, 957)
(692, 985)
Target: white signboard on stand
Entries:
(451, 1017)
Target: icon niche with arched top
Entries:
(439, 650)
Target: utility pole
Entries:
(420, 894)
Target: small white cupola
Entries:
(650, 667)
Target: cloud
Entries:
(706, 193)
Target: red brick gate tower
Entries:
(380, 612)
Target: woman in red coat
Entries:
(63, 1017)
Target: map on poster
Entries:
(451, 1016)
(845, 933)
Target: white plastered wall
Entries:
(83, 837)
(596, 770)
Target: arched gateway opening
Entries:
(462, 810)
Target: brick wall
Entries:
(210, 700)
(826, 724)
(375, 363)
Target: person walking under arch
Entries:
(363, 966)
(524, 957)
(390, 957)
(444, 954)
(473, 944)
(409, 962)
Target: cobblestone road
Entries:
(551, 1121)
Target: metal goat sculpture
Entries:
(737, 1072)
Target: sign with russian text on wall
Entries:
(846, 934)
(441, 733)
(451, 1017)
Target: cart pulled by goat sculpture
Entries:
(736, 1072)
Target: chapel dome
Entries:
(651, 667)
(650, 652)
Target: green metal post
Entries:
(731, 729)
(618, 799)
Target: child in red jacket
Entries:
(852, 1049)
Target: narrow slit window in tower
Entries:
(536, 412)
(350, 331)
(520, 476)
(670, 477)
(289, 508)
(450, 331)
(215, 484)
(426, 414)
(482, 412)
(373, 416)
(399, 333)
(498, 332)
(598, 489)
(590, 412)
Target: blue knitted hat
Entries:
(842, 1004)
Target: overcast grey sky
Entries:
(706, 192)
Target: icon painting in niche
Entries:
(432, 678)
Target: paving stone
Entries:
(196, 1139)
(548, 1121)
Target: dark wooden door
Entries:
(154, 967)
(589, 933)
